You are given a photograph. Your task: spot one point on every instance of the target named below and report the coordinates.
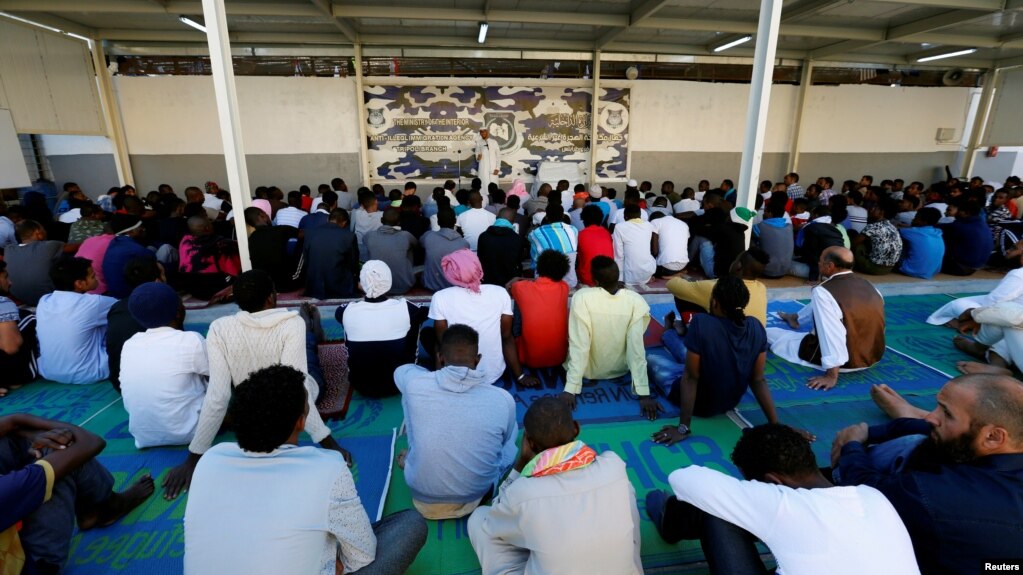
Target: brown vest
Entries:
(863, 315)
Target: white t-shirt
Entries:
(480, 311)
(636, 264)
(838, 530)
(70, 216)
(164, 373)
(619, 216)
(857, 218)
(685, 205)
(386, 320)
(474, 222)
(672, 242)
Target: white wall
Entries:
(671, 116)
(178, 115)
(76, 145)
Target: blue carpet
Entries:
(151, 539)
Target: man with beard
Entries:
(955, 474)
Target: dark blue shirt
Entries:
(968, 241)
(313, 220)
(728, 353)
(121, 251)
(331, 257)
(958, 515)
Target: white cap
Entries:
(632, 184)
(596, 191)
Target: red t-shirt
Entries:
(593, 241)
(544, 307)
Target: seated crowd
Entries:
(918, 495)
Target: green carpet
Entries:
(908, 332)
(51, 400)
(448, 550)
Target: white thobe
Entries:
(1002, 330)
(1010, 289)
(825, 315)
(488, 152)
(632, 240)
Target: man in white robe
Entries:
(488, 154)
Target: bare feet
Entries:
(971, 367)
(311, 315)
(401, 458)
(119, 504)
(970, 347)
(953, 323)
(893, 404)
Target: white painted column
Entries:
(594, 116)
(759, 102)
(360, 101)
(111, 114)
(797, 132)
(987, 98)
(230, 122)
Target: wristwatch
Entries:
(683, 429)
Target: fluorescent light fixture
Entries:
(733, 43)
(43, 26)
(947, 55)
(483, 32)
(192, 23)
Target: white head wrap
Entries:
(375, 278)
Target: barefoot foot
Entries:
(311, 314)
(970, 347)
(119, 504)
(401, 458)
(893, 404)
(974, 367)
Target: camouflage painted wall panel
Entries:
(424, 131)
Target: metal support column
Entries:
(759, 102)
(594, 116)
(797, 132)
(987, 98)
(360, 102)
(230, 122)
(111, 114)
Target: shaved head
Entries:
(840, 256)
(997, 400)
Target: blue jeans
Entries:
(400, 536)
(313, 360)
(888, 457)
(702, 248)
(665, 372)
(729, 549)
(46, 532)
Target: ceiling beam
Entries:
(462, 15)
(990, 5)
(340, 23)
(440, 41)
(1009, 62)
(903, 32)
(642, 11)
(58, 23)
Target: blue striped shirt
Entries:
(559, 237)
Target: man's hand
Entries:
(823, 382)
(669, 435)
(852, 433)
(495, 172)
(54, 439)
(966, 325)
(790, 318)
(568, 398)
(649, 407)
(528, 380)
(179, 479)
(330, 443)
(806, 434)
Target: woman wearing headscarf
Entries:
(485, 308)
(518, 188)
(380, 332)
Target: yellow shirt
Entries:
(699, 293)
(605, 338)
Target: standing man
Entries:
(488, 155)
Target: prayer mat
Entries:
(448, 550)
(151, 539)
(367, 417)
(336, 395)
(907, 331)
(600, 401)
(827, 419)
(788, 381)
(59, 401)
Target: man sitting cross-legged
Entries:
(461, 429)
(258, 336)
(560, 496)
(954, 475)
(810, 525)
(267, 505)
(997, 338)
(847, 315)
(50, 482)
(605, 334)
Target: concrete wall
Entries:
(85, 160)
(303, 131)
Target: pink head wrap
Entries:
(463, 269)
(263, 205)
(518, 189)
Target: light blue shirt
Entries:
(923, 251)
(72, 328)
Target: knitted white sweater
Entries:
(241, 344)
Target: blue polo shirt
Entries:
(121, 251)
(968, 241)
(922, 251)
